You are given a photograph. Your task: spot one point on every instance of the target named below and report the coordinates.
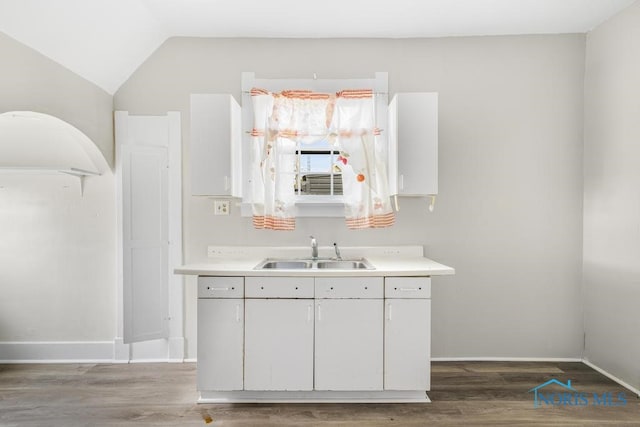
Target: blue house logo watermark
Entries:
(569, 396)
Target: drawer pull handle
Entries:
(409, 289)
(308, 313)
(319, 313)
(237, 312)
(218, 289)
(389, 312)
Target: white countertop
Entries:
(241, 261)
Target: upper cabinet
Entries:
(216, 154)
(217, 161)
(413, 142)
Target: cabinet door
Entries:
(407, 344)
(349, 344)
(413, 144)
(220, 344)
(278, 344)
(215, 145)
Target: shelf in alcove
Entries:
(81, 174)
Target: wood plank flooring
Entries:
(163, 394)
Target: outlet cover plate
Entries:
(221, 207)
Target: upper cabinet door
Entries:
(413, 142)
(215, 155)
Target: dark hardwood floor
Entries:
(463, 393)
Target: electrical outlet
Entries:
(221, 207)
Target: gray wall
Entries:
(57, 248)
(509, 213)
(612, 196)
(33, 82)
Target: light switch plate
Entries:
(221, 207)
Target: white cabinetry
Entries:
(348, 334)
(323, 338)
(348, 344)
(220, 333)
(407, 333)
(279, 344)
(413, 144)
(278, 333)
(215, 145)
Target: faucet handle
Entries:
(338, 256)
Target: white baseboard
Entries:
(612, 377)
(115, 351)
(56, 352)
(176, 349)
(506, 359)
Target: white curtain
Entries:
(346, 120)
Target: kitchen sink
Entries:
(345, 265)
(285, 265)
(308, 264)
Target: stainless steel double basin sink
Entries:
(309, 264)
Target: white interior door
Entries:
(145, 242)
(349, 340)
(149, 212)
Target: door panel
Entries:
(220, 344)
(278, 344)
(145, 242)
(349, 344)
(407, 346)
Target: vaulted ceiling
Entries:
(105, 41)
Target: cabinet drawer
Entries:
(349, 287)
(279, 287)
(220, 287)
(407, 287)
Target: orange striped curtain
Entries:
(346, 119)
(363, 161)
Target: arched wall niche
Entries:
(37, 142)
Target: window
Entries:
(314, 148)
(318, 172)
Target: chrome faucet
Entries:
(314, 248)
(338, 256)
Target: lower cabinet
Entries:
(220, 333)
(407, 344)
(349, 344)
(278, 352)
(407, 333)
(220, 343)
(305, 334)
